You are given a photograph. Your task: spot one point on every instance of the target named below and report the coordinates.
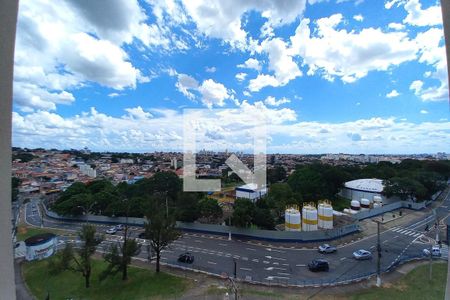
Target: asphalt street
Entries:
(275, 264)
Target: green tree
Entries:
(209, 209)
(15, 183)
(263, 218)
(276, 174)
(405, 188)
(119, 256)
(79, 260)
(160, 230)
(280, 195)
(242, 213)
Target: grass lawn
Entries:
(24, 232)
(414, 285)
(142, 283)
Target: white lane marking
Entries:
(372, 247)
(300, 265)
(222, 244)
(274, 268)
(276, 258)
(285, 274)
(266, 262)
(275, 263)
(244, 258)
(236, 256)
(275, 250)
(250, 249)
(273, 277)
(384, 242)
(245, 269)
(343, 258)
(285, 264)
(255, 260)
(395, 236)
(198, 241)
(212, 263)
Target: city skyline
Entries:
(328, 77)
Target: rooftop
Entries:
(368, 184)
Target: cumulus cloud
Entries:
(164, 131)
(65, 46)
(137, 113)
(424, 112)
(358, 18)
(210, 69)
(241, 76)
(271, 101)
(222, 19)
(251, 63)
(422, 17)
(186, 83)
(213, 93)
(392, 94)
(349, 55)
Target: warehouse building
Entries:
(250, 191)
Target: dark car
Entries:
(318, 265)
(186, 258)
(141, 235)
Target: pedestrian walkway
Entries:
(407, 232)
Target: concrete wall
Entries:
(390, 207)
(280, 236)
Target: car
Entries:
(318, 264)
(111, 230)
(120, 227)
(326, 248)
(362, 254)
(141, 235)
(186, 257)
(435, 251)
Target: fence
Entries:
(390, 207)
(269, 235)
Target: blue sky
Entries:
(328, 76)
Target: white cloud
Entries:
(432, 53)
(392, 94)
(137, 113)
(281, 63)
(99, 131)
(271, 101)
(210, 69)
(213, 93)
(251, 63)
(241, 76)
(114, 95)
(349, 56)
(396, 26)
(424, 112)
(186, 83)
(358, 18)
(222, 19)
(63, 47)
(422, 17)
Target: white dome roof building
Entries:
(363, 189)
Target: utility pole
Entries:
(229, 225)
(378, 255)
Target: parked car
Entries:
(362, 254)
(317, 265)
(186, 257)
(325, 248)
(141, 235)
(120, 227)
(435, 251)
(111, 230)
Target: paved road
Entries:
(271, 264)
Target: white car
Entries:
(362, 254)
(111, 230)
(435, 251)
(120, 227)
